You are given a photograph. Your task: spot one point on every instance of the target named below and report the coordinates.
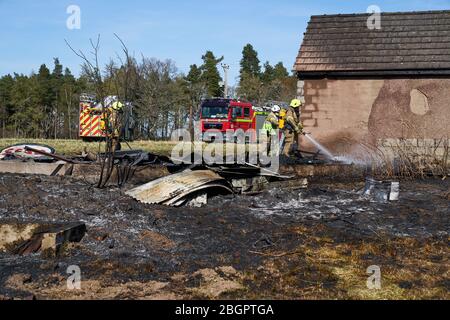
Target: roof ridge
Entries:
(382, 13)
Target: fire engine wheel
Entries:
(92, 139)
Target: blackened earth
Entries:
(287, 242)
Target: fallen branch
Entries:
(51, 155)
(280, 255)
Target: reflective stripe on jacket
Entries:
(271, 123)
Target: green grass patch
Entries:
(74, 147)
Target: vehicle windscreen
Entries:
(214, 112)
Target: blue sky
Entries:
(32, 32)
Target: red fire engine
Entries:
(221, 115)
(90, 120)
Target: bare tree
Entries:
(91, 68)
(158, 95)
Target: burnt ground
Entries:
(285, 243)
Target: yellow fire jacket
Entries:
(293, 121)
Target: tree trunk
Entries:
(167, 124)
(69, 120)
(55, 124)
(191, 121)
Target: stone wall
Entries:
(350, 115)
(433, 149)
(301, 90)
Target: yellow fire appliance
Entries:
(92, 125)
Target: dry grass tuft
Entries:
(322, 269)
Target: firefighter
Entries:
(271, 125)
(272, 121)
(115, 124)
(293, 126)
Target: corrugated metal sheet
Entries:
(176, 189)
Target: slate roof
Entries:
(407, 41)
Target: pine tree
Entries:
(279, 71)
(210, 74)
(69, 102)
(68, 75)
(268, 74)
(194, 75)
(250, 62)
(250, 88)
(195, 90)
(6, 106)
(57, 73)
(46, 98)
(57, 80)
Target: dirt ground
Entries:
(285, 243)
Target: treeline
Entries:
(41, 105)
(46, 104)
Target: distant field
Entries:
(73, 147)
(76, 147)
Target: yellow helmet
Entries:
(117, 106)
(296, 103)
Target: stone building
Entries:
(364, 86)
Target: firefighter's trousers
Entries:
(289, 141)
